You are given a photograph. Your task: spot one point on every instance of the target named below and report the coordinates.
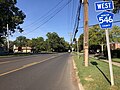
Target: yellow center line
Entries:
(27, 65)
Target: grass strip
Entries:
(96, 76)
(116, 60)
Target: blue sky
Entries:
(62, 23)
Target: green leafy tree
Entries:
(63, 45)
(116, 6)
(2, 41)
(21, 41)
(52, 43)
(38, 44)
(10, 14)
(115, 34)
(96, 35)
(80, 42)
(55, 43)
(29, 42)
(67, 46)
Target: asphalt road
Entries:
(37, 72)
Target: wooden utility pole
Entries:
(70, 34)
(78, 47)
(85, 32)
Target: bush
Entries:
(114, 53)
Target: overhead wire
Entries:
(76, 19)
(55, 13)
(45, 15)
(117, 21)
(73, 6)
(75, 30)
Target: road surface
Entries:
(37, 72)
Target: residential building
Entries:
(114, 45)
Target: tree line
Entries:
(97, 37)
(12, 16)
(53, 43)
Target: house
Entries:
(114, 45)
(22, 49)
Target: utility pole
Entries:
(8, 45)
(86, 33)
(77, 48)
(70, 34)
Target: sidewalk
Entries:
(114, 63)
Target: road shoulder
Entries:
(75, 70)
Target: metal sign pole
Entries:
(109, 57)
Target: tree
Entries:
(115, 34)
(2, 39)
(116, 6)
(11, 15)
(63, 46)
(38, 44)
(21, 41)
(80, 42)
(96, 36)
(67, 46)
(55, 43)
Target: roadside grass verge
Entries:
(96, 76)
(116, 60)
(104, 58)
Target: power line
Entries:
(72, 13)
(98, 24)
(46, 14)
(75, 30)
(60, 9)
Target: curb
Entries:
(80, 86)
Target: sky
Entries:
(39, 21)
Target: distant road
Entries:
(37, 72)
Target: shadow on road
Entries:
(95, 63)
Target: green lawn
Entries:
(96, 76)
(116, 60)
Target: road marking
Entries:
(27, 65)
(11, 61)
(8, 62)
